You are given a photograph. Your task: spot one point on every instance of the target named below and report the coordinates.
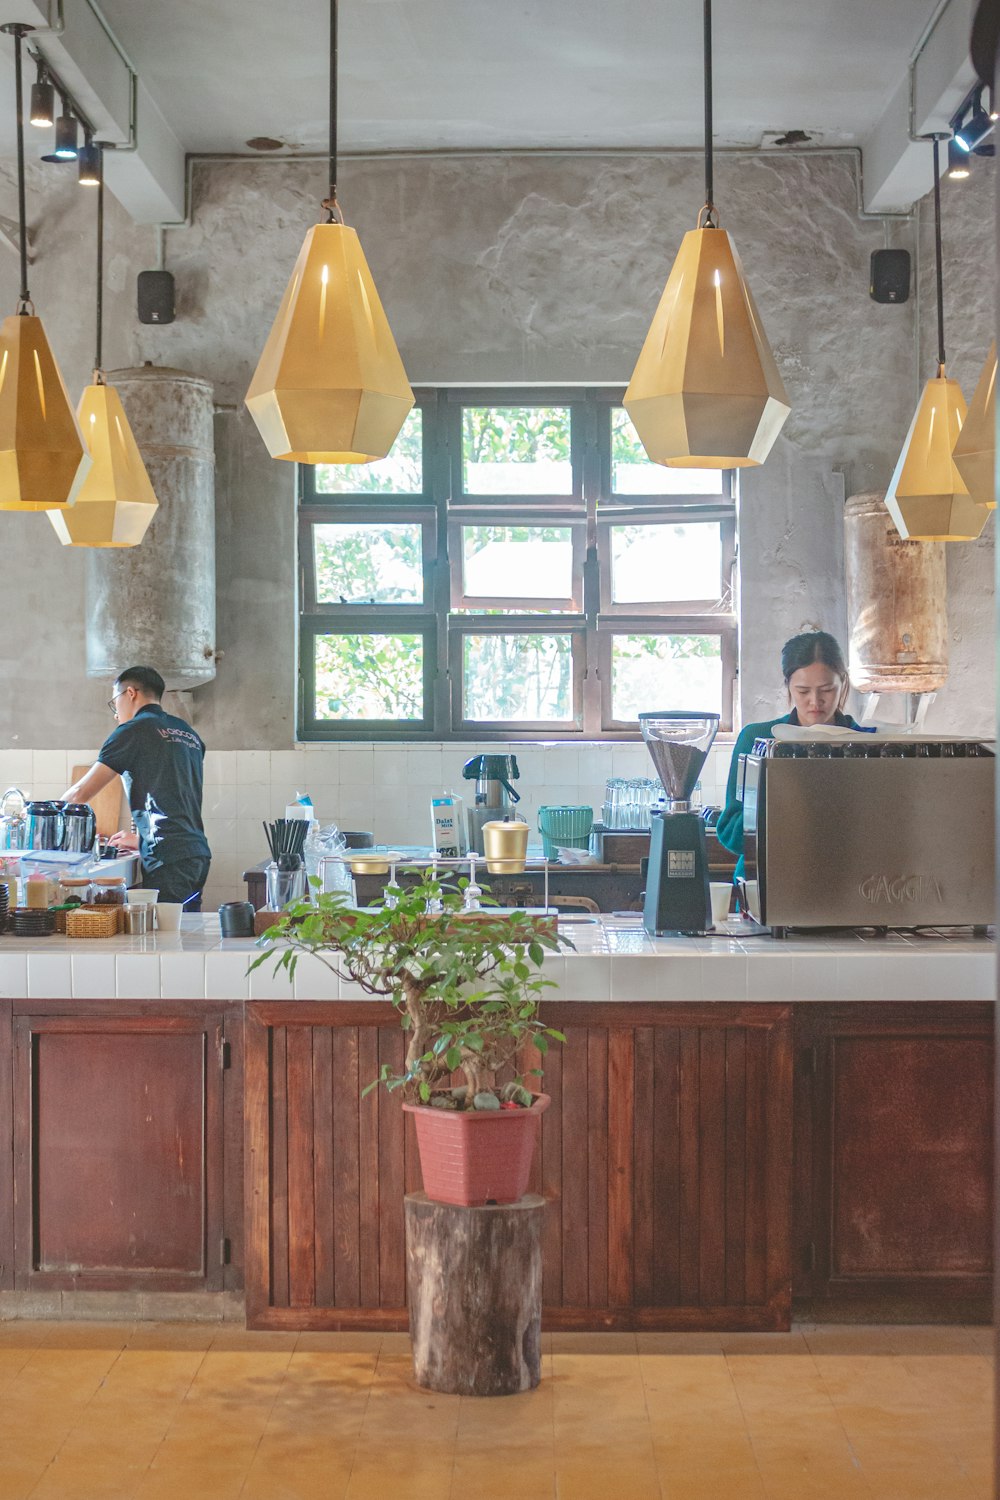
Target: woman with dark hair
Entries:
(816, 681)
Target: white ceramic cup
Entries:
(137, 895)
(168, 915)
(722, 893)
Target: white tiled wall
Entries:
(385, 788)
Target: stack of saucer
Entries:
(33, 921)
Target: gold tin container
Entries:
(505, 845)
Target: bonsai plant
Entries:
(467, 987)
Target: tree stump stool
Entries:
(474, 1280)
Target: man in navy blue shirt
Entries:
(161, 761)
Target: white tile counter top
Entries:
(611, 960)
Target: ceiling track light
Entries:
(958, 162)
(43, 460)
(330, 386)
(43, 99)
(90, 169)
(706, 392)
(67, 141)
(927, 497)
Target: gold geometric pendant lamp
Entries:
(706, 392)
(43, 461)
(975, 450)
(116, 502)
(927, 496)
(330, 386)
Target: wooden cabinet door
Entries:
(118, 1152)
(901, 1150)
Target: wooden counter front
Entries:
(665, 1160)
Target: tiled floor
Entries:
(199, 1412)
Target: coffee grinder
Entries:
(677, 898)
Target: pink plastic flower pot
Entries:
(473, 1157)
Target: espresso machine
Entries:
(495, 797)
(677, 898)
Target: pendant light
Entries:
(116, 502)
(975, 451)
(927, 497)
(706, 392)
(330, 386)
(43, 461)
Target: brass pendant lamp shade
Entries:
(927, 497)
(975, 450)
(116, 503)
(43, 460)
(705, 392)
(330, 386)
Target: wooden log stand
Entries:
(474, 1279)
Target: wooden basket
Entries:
(92, 922)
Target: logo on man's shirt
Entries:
(179, 737)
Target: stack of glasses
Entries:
(628, 804)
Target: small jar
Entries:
(109, 890)
(73, 890)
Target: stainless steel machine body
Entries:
(879, 837)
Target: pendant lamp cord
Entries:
(24, 296)
(708, 218)
(99, 330)
(939, 274)
(333, 213)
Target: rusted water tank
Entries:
(154, 605)
(896, 603)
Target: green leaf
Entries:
(453, 1058)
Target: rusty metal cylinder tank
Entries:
(896, 603)
(154, 605)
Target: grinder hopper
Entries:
(678, 743)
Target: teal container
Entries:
(564, 828)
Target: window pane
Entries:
(400, 473)
(665, 671)
(519, 677)
(370, 562)
(516, 450)
(369, 676)
(657, 564)
(633, 474)
(518, 562)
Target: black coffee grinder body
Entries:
(677, 895)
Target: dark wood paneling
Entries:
(897, 1133)
(6, 1146)
(665, 1159)
(118, 1152)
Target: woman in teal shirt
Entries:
(816, 680)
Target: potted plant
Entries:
(467, 986)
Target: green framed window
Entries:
(514, 569)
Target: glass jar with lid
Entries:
(74, 890)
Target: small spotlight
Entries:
(42, 101)
(66, 147)
(90, 164)
(993, 112)
(958, 161)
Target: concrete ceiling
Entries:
(426, 74)
(422, 75)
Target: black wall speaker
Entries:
(890, 275)
(156, 297)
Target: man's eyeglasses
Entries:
(113, 702)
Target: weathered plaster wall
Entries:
(513, 269)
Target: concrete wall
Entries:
(500, 269)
